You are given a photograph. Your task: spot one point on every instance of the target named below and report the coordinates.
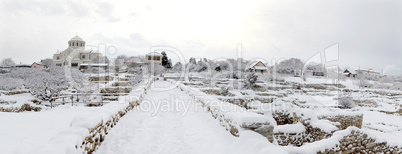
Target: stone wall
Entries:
(283, 118)
(346, 120)
(16, 92)
(358, 142)
(311, 134)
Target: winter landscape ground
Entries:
(170, 113)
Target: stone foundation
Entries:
(358, 142)
(346, 121)
(311, 134)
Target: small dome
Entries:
(76, 38)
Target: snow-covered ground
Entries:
(55, 130)
(171, 121)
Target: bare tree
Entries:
(177, 67)
(119, 61)
(48, 62)
(7, 62)
(46, 85)
(290, 66)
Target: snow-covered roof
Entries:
(22, 65)
(90, 50)
(254, 66)
(76, 38)
(350, 71)
(39, 63)
(154, 54)
(366, 70)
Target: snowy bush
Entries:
(396, 86)
(200, 66)
(22, 73)
(48, 62)
(250, 81)
(382, 85)
(224, 91)
(346, 102)
(8, 83)
(386, 79)
(177, 67)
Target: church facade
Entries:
(76, 54)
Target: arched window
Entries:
(58, 58)
(83, 56)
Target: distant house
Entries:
(22, 65)
(349, 74)
(153, 57)
(38, 65)
(258, 67)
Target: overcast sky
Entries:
(369, 33)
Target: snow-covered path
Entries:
(169, 131)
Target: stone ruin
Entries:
(355, 142)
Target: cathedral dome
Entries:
(76, 42)
(76, 38)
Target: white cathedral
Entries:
(76, 54)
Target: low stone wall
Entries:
(98, 133)
(283, 118)
(24, 107)
(346, 120)
(359, 142)
(311, 134)
(15, 92)
(101, 78)
(356, 120)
